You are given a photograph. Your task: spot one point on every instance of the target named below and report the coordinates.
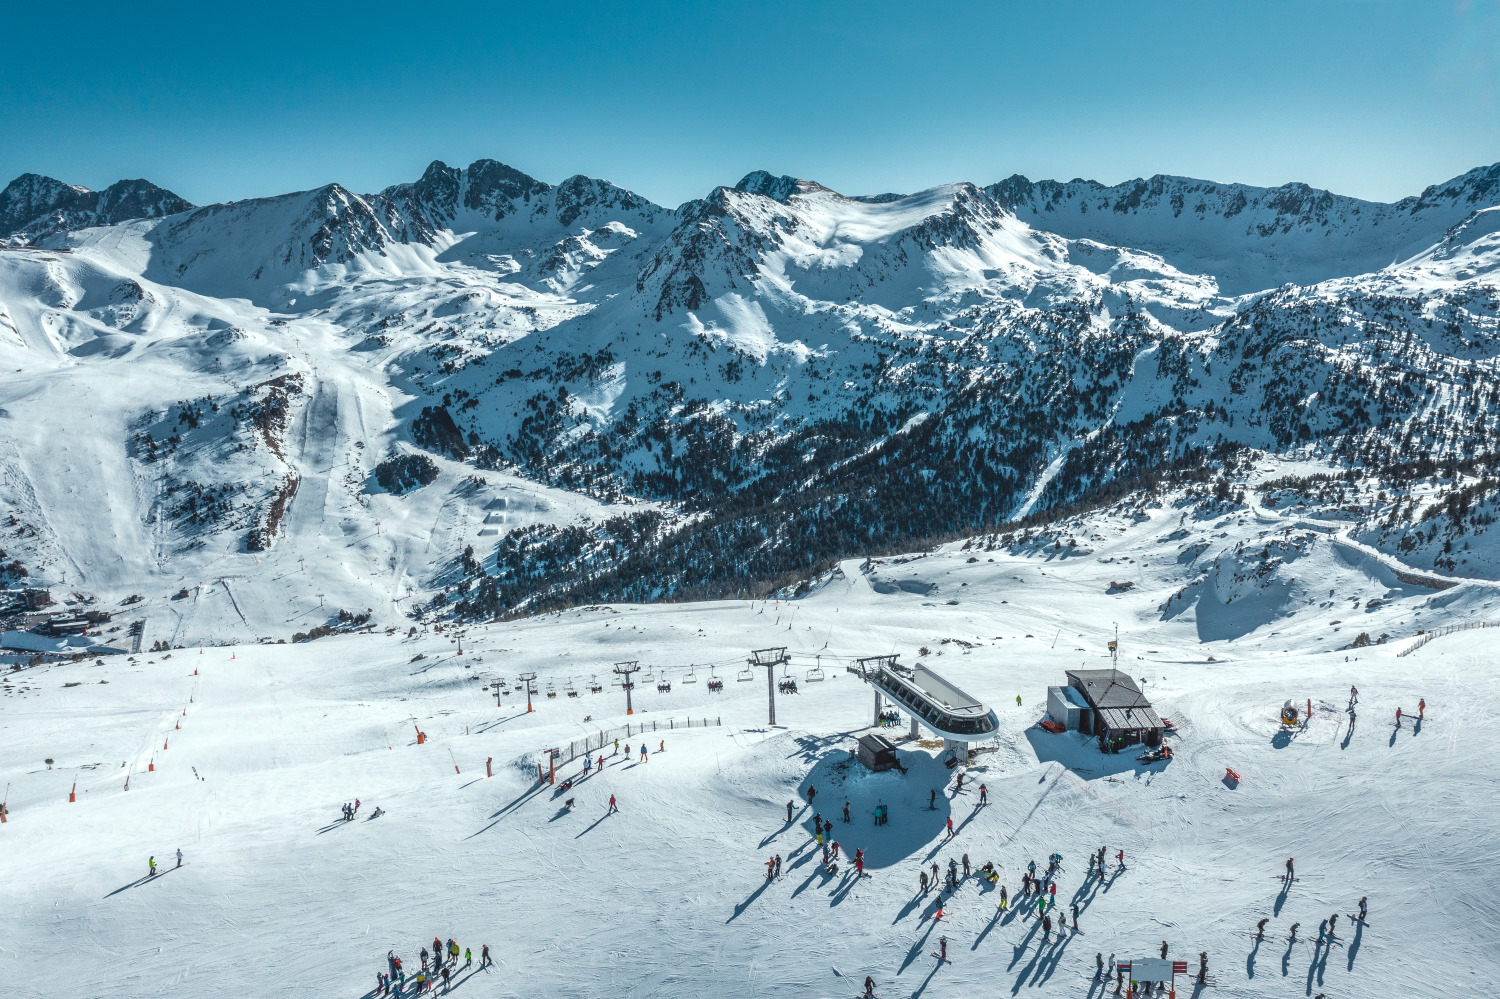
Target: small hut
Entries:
(876, 752)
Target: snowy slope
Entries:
(621, 400)
(667, 898)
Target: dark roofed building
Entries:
(1118, 713)
(876, 752)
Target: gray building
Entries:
(1115, 711)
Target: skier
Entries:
(484, 956)
(617, 748)
(437, 951)
(1353, 696)
(778, 865)
(960, 788)
(1031, 868)
(1203, 967)
(922, 875)
(1362, 908)
(789, 811)
(869, 987)
(644, 757)
(984, 795)
(859, 864)
(835, 850)
(966, 865)
(1053, 887)
(950, 827)
(1098, 962)
(932, 800)
(1260, 928)
(152, 862)
(424, 958)
(1121, 858)
(1075, 919)
(1004, 902)
(770, 869)
(599, 764)
(1289, 870)
(1163, 950)
(1333, 921)
(663, 747)
(934, 873)
(1294, 930)
(445, 979)
(812, 793)
(612, 806)
(1018, 700)
(942, 948)
(356, 804)
(1062, 923)
(846, 811)
(452, 949)
(627, 749)
(1421, 708)
(1046, 927)
(1398, 717)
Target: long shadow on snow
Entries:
(911, 826)
(141, 880)
(739, 909)
(1286, 887)
(1250, 959)
(1080, 754)
(1359, 930)
(916, 948)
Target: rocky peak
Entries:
(32, 205)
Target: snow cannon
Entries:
(1289, 715)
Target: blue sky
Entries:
(1375, 98)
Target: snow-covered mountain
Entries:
(33, 207)
(497, 392)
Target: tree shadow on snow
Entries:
(911, 824)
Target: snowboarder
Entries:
(179, 856)
(152, 863)
(846, 811)
(984, 795)
(789, 811)
(1421, 708)
(1260, 928)
(613, 808)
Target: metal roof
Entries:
(1108, 688)
(1135, 717)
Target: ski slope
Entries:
(667, 897)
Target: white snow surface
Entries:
(667, 897)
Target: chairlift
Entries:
(594, 687)
(571, 690)
(617, 681)
(648, 676)
(746, 674)
(815, 674)
(692, 675)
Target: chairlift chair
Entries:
(692, 675)
(815, 674)
(746, 674)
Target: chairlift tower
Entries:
(526, 679)
(625, 669)
(770, 658)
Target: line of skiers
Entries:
(350, 809)
(394, 981)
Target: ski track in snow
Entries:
(667, 898)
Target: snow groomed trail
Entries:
(667, 897)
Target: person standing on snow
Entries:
(152, 867)
(984, 795)
(812, 793)
(613, 808)
(1398, 717)
(966, 865)
(1290, 873)
(1004, 902)
(484, 956)
(932, 800)
(179, 856)
(1362, 908)
(1260, 928)
(778, 865)
(846, 811)
(1046, 927)
(950, 827)
(600, 763)
(1075, 919)
(789, 811)
(1353, 696)
(922, 875)
(942, 948)
(644, 757)
(1421, 708)
(869, 987)
(663, 747)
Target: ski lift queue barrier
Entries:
(606, 737)
(1428, 636)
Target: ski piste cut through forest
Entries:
(481, 394)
